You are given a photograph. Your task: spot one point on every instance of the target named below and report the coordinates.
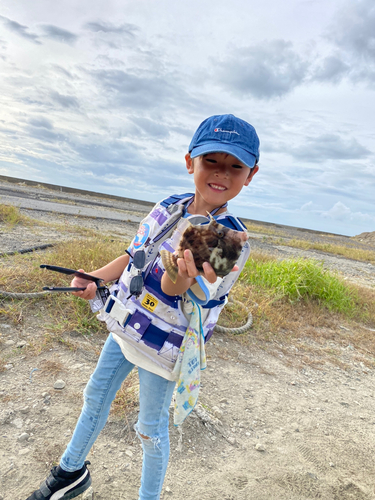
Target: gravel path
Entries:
(268, 426)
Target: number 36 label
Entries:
(149, 302)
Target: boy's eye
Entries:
(234, 165)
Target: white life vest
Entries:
(153, 322)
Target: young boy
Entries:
(148, 314)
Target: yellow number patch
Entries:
(149, 302)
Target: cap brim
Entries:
(213, 147)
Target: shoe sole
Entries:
(76, 491)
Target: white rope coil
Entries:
(241, 329)
(219, 329)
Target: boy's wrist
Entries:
(181, 286)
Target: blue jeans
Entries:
(155, 396)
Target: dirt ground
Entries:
(267, 426)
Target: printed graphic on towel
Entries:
(149, 302)
(191, 360)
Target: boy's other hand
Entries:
(91, 287)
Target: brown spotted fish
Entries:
(213, 243)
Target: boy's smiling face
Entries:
(218, 178)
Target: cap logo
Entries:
(227, 131)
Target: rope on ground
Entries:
(13, 295)
(220, 329)
(241, 329)
(27, 250)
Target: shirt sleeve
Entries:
(203, 291)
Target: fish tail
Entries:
(170, 264)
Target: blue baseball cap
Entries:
(226, 134)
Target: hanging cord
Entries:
(241, 329)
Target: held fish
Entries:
(213, 243)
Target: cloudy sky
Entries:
(106, 95)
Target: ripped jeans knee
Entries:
(147, 440)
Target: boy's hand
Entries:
(91, 287)
(187, 268)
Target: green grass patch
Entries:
(302, 279)
(298, 299)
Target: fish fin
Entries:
(211, 217)
(169, 264)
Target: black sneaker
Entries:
(61, 485)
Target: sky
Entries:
(106, 95)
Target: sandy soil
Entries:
(267, 426)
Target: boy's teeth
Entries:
(217, 187)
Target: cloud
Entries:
(20, 30)
(122, 29)
(60, 71)
(49, 30)
(3, 48)
(66, 101)
(331, 69)
(354, 28)
(45, 134)
(329, 147)
(268, 70)
(116, 152)
(307, 206)
(148, 90)
(41, 122)
(58, 34)
(151, 127)
(353, 36)
(114, 36)
(341, 212)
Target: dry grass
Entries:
(346, 251)
(12, 313)
(22, 273)
(52, 366)
(259, 228)
(12, 216)
(303, 331)
(57, 313)
(9, 398)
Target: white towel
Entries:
(190, 361)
